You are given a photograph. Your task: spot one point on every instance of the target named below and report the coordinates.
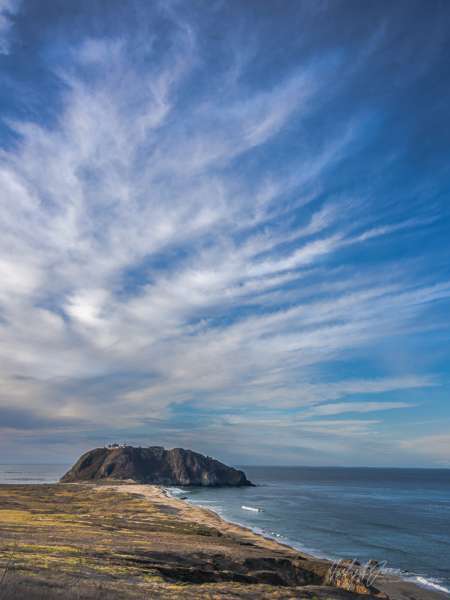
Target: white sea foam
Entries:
(174, 491)
(419, 580)
(430, 583)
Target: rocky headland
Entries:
(153, 465)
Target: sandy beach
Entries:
(189, 512)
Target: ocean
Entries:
(397, 516)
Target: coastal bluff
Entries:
(153, 465)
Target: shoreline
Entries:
(204, 516)
(242, 526)
(275, 538)
(395, 585)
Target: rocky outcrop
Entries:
(153, 465)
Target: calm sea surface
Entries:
(401, 516)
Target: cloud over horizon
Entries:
(212, 242)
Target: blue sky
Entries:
(225, 226)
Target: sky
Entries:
(225, 226)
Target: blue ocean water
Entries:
(19, 474)
(401, 516)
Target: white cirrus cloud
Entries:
(130, 247)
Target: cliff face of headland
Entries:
(153, 465)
